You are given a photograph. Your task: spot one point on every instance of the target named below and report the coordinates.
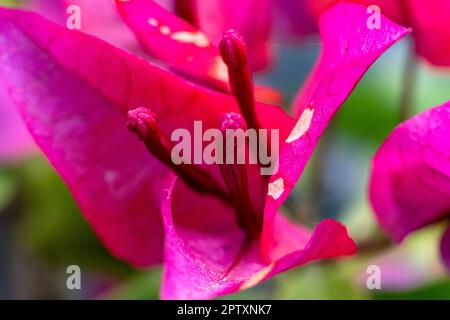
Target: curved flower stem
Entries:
(408, 87)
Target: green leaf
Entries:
(8, 187)
(53, 226)
(143, 286)
(439, 290)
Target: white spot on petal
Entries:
(153, 22)
(219, 70)
(198, 39)
(165, 30)
(257, 277)
(111, 177)
(302, 125)
(276, 188)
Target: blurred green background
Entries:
(42, 230)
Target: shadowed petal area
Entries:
(297, 18)
(74, 92)
(349, 48)
(252, 19)
(206, 254)
(174, 41)
(410, 180)
(431, 30)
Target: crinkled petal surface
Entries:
(206, 254)
(15, 140)
(74, 91)
(349, 48)
(410, 180)
(428, 20)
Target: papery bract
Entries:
(410, 180)
(15, 140)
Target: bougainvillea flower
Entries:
(410, 182)
(428, 20)
(214, 232)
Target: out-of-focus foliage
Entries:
(8, 187)
(10, 2)
(332, 280)
(437, 290)
(52, 224)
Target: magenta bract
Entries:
(410, 181)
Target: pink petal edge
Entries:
(410, 179)
(206, 259)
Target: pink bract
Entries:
(410, 181)
(15, 140)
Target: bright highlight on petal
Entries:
(302, 125)
(276, 188)
(196, 38)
